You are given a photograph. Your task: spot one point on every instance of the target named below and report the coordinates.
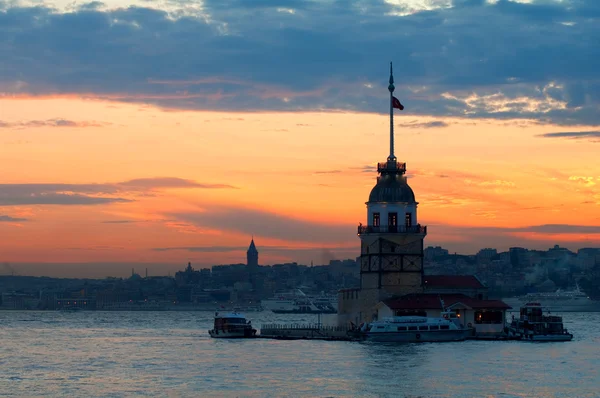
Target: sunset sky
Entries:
(162, 132)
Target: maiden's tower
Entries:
(391, 259)
(392, 281)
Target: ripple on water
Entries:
(157, 354)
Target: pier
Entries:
(304, 332)
(337, 333)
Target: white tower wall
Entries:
(384, 209)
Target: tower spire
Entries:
(391, 88)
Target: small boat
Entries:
(533, 325)
(414, 329)
(231, 325)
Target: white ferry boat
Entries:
(297, 302)
(533, 325)
(558, 301)
(414, 329)
(231, 325)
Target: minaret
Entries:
(391, 260)
(252, 255)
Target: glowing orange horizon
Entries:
(303, 169)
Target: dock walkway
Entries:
(304, 332)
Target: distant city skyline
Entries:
(131, 150)
(123, 269)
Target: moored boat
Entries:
(231, 325)
(297, 302)
(533, 325)
(559, 301)
(414, 329)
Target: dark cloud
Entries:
(371, 169)
(574, 135)
(4, 218)
(268, 249)
(91, 194)
(303, 255)
(258, 4)
(169, 182)
(459, 238)
(558, 229)
(203, 249)
(328, 172)
(423, 125)
(57, 199)
(467, 240)
(269, 225)
(92, 5)
(475, 59)
(51, 123)
(549, 229)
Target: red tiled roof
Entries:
(452, 281)
(485, 304)
(432, 301)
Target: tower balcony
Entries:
(391, 166)
(392, 229)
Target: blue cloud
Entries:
(88, 194)
(5, 218)
(475, 59)
(575, 135)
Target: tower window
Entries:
(393, 219)
(376, 219)
(408, 219)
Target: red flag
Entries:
(396, 103)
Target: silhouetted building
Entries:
(486, 255)
(518, 257)
(252, 255)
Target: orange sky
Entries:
(298, 176)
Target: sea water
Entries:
(169, 354)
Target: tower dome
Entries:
(392, 185)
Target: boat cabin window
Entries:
(412, 328)
(423, 327)
(444, 327)
(410, 313)
(233, 320)
(488, 317)
(434, 327)
(402, 328)
(380, 327)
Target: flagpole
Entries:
(391, 89)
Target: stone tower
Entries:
(391, 255)
(252, 255)
(391, 258)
